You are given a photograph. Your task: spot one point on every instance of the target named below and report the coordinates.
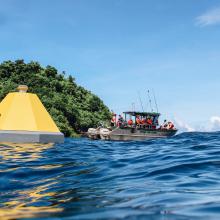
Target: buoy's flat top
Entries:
(22, 88)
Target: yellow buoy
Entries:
(23, 118)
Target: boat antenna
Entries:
(155, 101)
(140, 101)
(133, 106)
(148, 93)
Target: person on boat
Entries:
(120, 121)
(149, 121)
(170, 126)
(130, 122)
(144, 121)
(113, 120)
(164, 125)
(138, 120)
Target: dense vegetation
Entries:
(73, 108)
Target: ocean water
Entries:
(174, 178)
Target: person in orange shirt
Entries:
(149, 121)
(144, 121)
(130, 122)
(138, 120)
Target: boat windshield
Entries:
(146, 120)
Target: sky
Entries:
(120, 49)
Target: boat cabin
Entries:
(145, 120)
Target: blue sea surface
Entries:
(174, 178)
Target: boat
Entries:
(104, 133)
(124, 131)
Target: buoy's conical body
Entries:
(23, 118)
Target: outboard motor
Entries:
(93, 133)
(104, 133)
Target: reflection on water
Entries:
(14, 211)
(25, 199)
(22, 152)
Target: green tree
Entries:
(73, 108)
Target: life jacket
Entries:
(130, 122)
(144, 121)
(170, 126)
(149, 121)
(138, 121)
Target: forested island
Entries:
(73, 108)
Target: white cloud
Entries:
(211, 17)
(215, 123)
(211, 125)
(182, 126)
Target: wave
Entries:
(173, 178)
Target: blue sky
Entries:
(119, 48)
